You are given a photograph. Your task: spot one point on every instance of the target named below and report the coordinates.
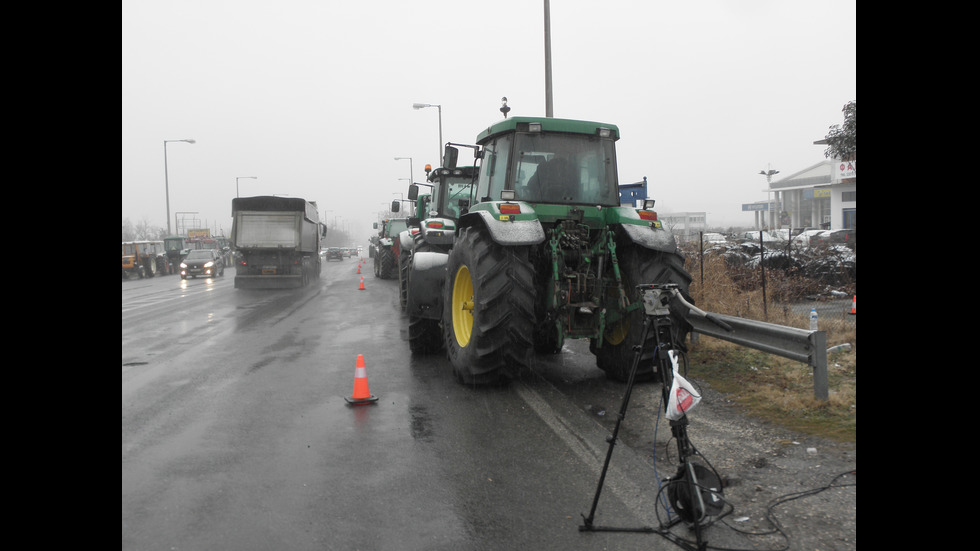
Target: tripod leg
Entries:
(622, 415)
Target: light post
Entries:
(237, 178)
(166, 177)
(769, 174)
(418, 106)
(411, 173)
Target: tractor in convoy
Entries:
(424, 246)
(384, 245)
(144, 259)
(545, 252)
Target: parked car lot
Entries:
(835, 237)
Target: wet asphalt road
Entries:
(236, 434)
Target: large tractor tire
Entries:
(637, 266)
(488, 309)
(150, 267)
(387, 268)
(404, 270)
(424, 335)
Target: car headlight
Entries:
(183, 266)
(209, 264)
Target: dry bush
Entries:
(772, 387)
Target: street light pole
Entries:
(769, 174)
(166, 177)
(237, 178)
(417, 106)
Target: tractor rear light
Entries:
(647, 214)
(510, 208)
(434, 224)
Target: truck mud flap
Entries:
(268, 282)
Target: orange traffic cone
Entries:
(358, 268)
(362, 394)
(362, 284)
(854, 306)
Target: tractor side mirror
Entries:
(394, 206)
(450, 156)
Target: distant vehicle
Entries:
(803, 239)
(835, 237)
(202, 262)
(714, 238)
(143, 259)
(346, 252)
(277, 242)
(335, 252)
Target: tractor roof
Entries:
(548, 124)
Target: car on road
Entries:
(335, 252)
(202, 262)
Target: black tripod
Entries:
(694, 491)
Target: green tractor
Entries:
(385, 245)
(547, 253)
(425, 246)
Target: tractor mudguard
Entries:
(405, 241)
(649, 234)
(509, 231)
(439, 231)
(425, 285)
(657, 239)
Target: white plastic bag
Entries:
(683, 397)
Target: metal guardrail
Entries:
(801, 345)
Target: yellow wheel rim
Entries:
(463, 306)
(617, 333)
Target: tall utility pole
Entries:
(549, 108)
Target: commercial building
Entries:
(822, 196)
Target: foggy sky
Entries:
(314, 97)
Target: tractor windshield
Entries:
(565, 168)
(458, 187)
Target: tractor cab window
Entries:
(458, 188)
(565, 168)
(493, 174)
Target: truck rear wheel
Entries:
(488, 309)
(640, 266)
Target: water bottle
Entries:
(813, 319)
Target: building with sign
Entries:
(822, 196)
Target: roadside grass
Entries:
(769, 387)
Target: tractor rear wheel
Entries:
(637, 266)
(488, 309)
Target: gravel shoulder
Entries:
(767, 471)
